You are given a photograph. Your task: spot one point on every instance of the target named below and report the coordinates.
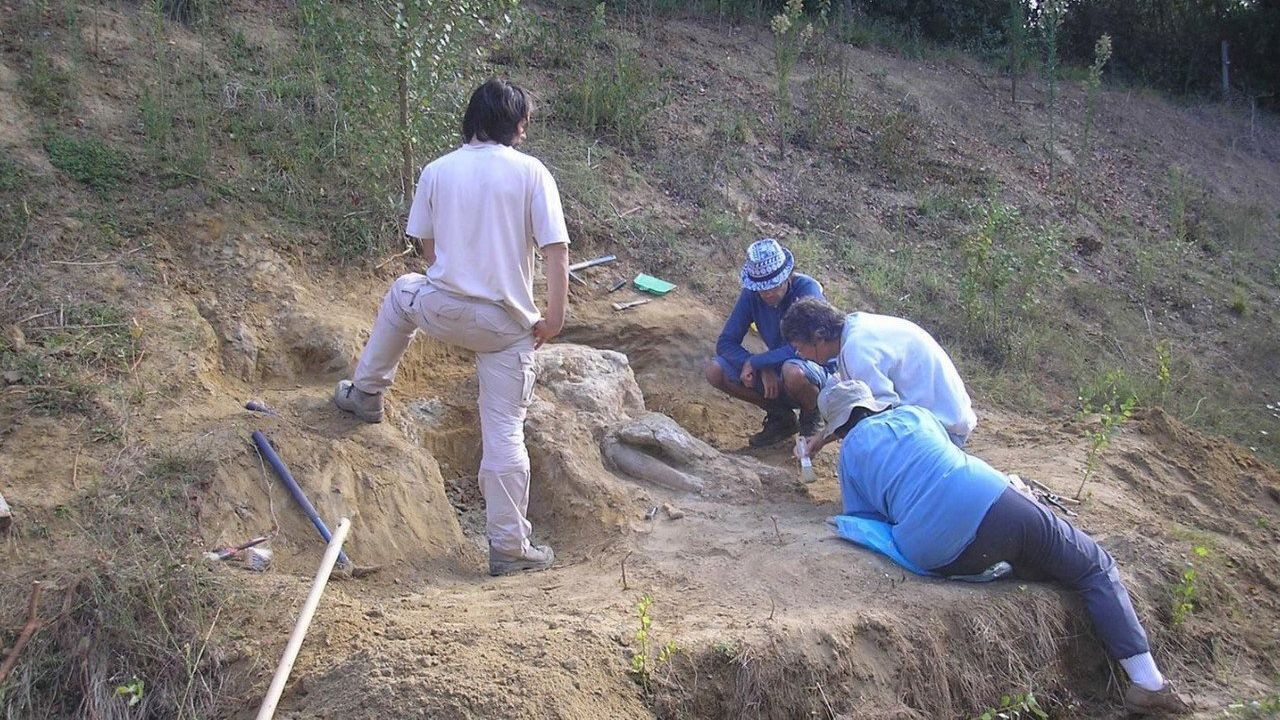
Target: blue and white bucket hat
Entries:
(768, 265)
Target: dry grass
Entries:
(943, 665)
(130, 616)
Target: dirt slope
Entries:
(220, 300)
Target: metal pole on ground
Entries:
(268, 452)
(268, 708)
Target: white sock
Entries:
(1142, 671)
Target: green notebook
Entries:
(651, 284)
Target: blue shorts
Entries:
(813, 372)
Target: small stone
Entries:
(12, 377)
(13, 334)
(6, 516)
(569, 664)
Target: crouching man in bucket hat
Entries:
(777, 380)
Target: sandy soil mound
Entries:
(772, 616)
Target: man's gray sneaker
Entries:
(779, 424)
(1165, 701)
(366, 406)
(538, 557)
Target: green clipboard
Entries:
(651, 284)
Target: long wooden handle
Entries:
(268, 709)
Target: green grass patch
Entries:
(15, 208)
(93, 335)
(51, 387)
(616, 92)
(12, 175)
(89, 160)
(47, 87)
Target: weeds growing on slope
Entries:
(615, 94)
(1053, 13)
(1093, 85)
(1186, 591)
(647, 656)
(790, 36)
(128, 613)
(1112, 400)
(1008, 269)
(1015, 707)
(47, 87)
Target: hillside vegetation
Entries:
(201, 203)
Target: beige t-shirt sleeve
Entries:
(420, 215)
(546, 211)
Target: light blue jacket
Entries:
(901, 467)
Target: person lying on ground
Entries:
(901, 362)
(955, 515)
(775, 380)
(480, 212)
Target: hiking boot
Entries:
(538, 557)
(810, 422)
(779, 424)
(1165, 701)
(366, 406)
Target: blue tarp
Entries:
(876, 535)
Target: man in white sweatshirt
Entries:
(481, 212)
(901, 362)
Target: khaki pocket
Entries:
(494, 319)
(446, 310)
(530, 377)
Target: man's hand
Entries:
(544, 331)
(772, 384)
(816, 443)
(748, 375)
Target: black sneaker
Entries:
(810, 422)
(779, 424)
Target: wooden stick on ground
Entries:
(33, 624)
(268, 709)
(625, 305)
(406, 252)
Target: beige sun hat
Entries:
(838, 399)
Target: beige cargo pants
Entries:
(504, 363)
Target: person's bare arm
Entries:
(425, 249)
(556, 258)
(817, 442)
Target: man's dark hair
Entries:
(812, 319)
(495, 111)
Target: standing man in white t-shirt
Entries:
(901, 362)
(480, 213)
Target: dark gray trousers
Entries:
(1042, 546)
